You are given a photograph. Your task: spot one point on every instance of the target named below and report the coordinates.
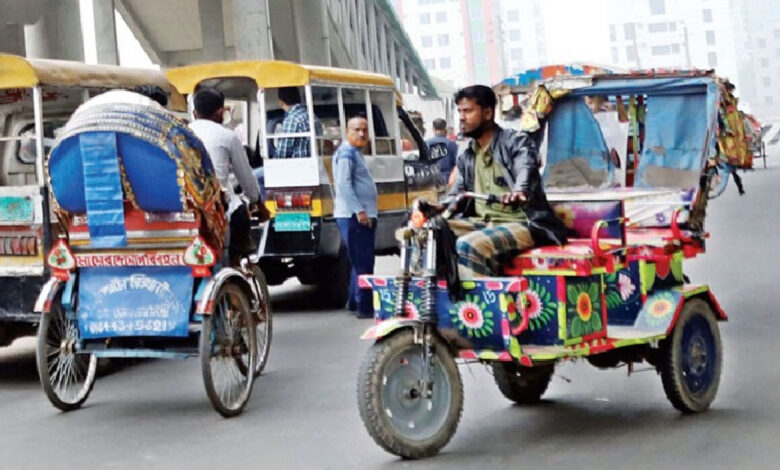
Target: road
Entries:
(303, 412)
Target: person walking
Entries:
(355, 211)
(442, 149)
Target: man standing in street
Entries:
(228, 157)
(501, 162)
(296, 120)
(355, 211)
(442, 149)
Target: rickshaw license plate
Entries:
(292, 222)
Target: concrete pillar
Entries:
(105, 32)
(393, 62)
(312, 38)
(402, 72)
(12, 39)
(212, 30)
(57, 34)
(252, 30)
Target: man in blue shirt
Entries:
(296, 120)
(355, 211)
(443, 149)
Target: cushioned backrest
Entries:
(579, 217)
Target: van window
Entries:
(288, 129)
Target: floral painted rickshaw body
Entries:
(615, 293)
(139, 271)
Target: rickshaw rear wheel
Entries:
(67, 377)
(264, 323)
(392, 402)
(692, 358)
(522, 385)
(228, 351)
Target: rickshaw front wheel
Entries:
(228, 351)
(399, 413)
(692, 358)
(522, 385)
(67, 377)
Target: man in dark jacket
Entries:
(505, 163)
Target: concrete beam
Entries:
(212, 32)
(141, 34)
(12, 39)
(57, 33)
(252, 30)
(105, 32)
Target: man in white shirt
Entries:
(228, 156)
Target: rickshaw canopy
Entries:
(19, 72)
(271, 74)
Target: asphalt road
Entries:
(303, 412)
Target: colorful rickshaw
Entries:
(138, 270)
(615, 294)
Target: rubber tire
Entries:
(262, 356)
(43, 367)
(522, 385)
(205, 360)
(671, 368)
(333, 288)
(369, 391)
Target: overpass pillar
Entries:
(105, 32)
(252, 30)
(12, 38)
(212, 30)
(312, 31)
(57, 34)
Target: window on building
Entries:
(657, 27)
(478, 36)
(769, 101)
(675, 48)
(445, 63)
(761, 43)
(777, 53)
(631, 53)
(657, 7)
(444, 40)
(612, 33)
(515, 35)
(427, 41)
(660, 50)
(430, 64)
(475, 13)
(425, 18)
(672, 26)
(712, 59)
(710, 38)
(766, 81)
(630, 31)
(707, 15)
(480, 60)
(764, 62)
(513, 15)
(777, 34)
(614, 55)
(516, 54)
(441, 17)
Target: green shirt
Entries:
(487, 175)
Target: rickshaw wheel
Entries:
(522, 385)
(264, 323)
(67, 377)
(392, 403)
(692, 358)
(228, 349)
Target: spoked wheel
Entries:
(522, 385)
(67, 377)
(264, 323)
(393, 403)
(693, 356)
(228, 351)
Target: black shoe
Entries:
(362, 315)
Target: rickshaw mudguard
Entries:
(662, 308)
(386, 327)
(47, 295)
(208, 293)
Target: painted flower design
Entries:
(659, 308)
(533, 304)
(583, 305)
(566, 215)
(473, 317)
(540, 305)
(625, 286)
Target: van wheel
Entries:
(333, 280)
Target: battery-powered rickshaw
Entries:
(138, 269)
(614, 294)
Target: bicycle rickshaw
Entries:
(139, 271)
(614, 294)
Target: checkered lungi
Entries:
(482, 246)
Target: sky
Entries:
(575, 31)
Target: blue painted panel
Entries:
(542, 295)
(623, 295)
(134, 301)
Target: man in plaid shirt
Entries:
(296, 119)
